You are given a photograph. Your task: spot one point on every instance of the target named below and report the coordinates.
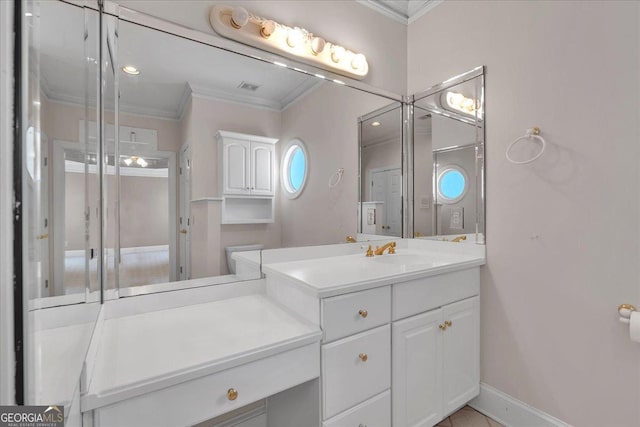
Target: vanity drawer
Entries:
(206, 397)
(375, 412)
(420, 295)
(348, 314)
(355, 369)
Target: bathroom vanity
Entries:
(388, 340)
(401, 332)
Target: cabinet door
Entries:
(417, 370)
(262, 160)
(236, 166)
(461, 353)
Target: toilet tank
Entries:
(229, 250)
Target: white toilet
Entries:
(231, 263)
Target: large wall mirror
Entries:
(448, 154)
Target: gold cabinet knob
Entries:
(363, 313)
(363, 357)
(42, 236)
(232, 394)
(183, 231)
(448, 323)
(442, 326)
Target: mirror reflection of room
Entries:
(449, 163)
(381, 172)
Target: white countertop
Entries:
(334, 275)
(195, 340)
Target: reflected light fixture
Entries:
(130, 69)
(239, 24)
(461, 103)
(137, 160)
(375, 124)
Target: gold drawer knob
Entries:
(448, 323)
(363, 313)
(232, 394)
(363, 357)
(442, 326)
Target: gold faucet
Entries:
(369, 252)
(459, 239)
(391, 246)
(350, 239)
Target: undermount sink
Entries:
(402, 259)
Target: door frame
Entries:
(184, 273)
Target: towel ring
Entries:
(335, 179)
(531, 134)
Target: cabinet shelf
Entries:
(247, 210)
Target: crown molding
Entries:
(382, 8)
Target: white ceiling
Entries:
(404, 11)
(171, 68)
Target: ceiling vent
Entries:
(249, 86)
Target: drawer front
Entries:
(348, 314)
(349, 379)
(420, 295)
(198, 400)
(375, 412)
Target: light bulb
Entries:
(267, 29)
(294, 38)
(358, 61)
(337, 53)
(141, 162)
(317, 45)
(128, 162)
(130, 69)
(239, 17)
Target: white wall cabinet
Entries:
(246, 177)
(436, 363)
(247, 164)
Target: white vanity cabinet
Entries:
(247, 164)
(436, 363)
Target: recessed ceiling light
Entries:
(130, 69)
(375, 124)
(28, 14)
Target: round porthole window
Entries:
(295, 168)
(452, 184)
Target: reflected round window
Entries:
(452, 184)
(295, 168)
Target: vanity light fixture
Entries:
(295, 37)
(239, 17)
(317, 45)
(238, 24)
(337, 53)
(267, 29)
(130, 69)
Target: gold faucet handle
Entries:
(392, 248)
(369, 252)
(350, 239)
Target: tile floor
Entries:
(468, 417)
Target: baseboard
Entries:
(510, 411)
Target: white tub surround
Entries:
(401, 332)
(214, 351)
